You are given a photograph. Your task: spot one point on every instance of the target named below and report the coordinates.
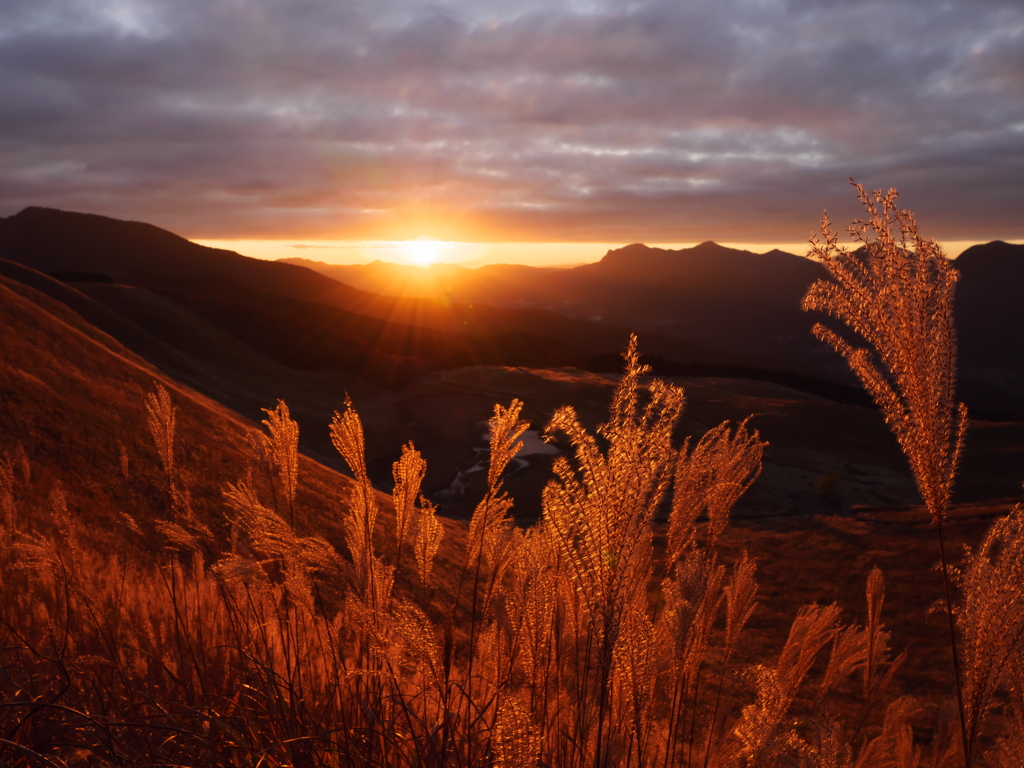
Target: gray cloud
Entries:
(605, 121)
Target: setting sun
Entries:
(423, 251)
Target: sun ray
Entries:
(423, 251)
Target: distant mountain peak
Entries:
(778, 253)
(629, 250)
(995, 252)
(663, 256)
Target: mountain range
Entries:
(429, 361)
(95, 315)
(744, 305)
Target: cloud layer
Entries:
(603, 121)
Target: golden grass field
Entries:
(180, 587)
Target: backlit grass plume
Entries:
(896, 294)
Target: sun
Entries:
(423, 251)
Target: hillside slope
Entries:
(73, 422)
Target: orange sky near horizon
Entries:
(427, 250)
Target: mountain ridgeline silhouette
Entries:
(742, 304)
(294, 315)
(708, 309)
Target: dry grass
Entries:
(596, 637)
(896, 296)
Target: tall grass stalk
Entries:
(895, 293)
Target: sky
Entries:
(346, 127)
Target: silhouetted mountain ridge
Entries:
(308, 320)
(640, 258)
(740, 303)
(51, 240)
(706, 305)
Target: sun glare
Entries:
(423, 252)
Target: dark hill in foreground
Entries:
(74, 406)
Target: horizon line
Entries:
(470, 255)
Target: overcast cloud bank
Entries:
(604, 121)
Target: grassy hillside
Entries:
(74, 420)
(184, 588)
